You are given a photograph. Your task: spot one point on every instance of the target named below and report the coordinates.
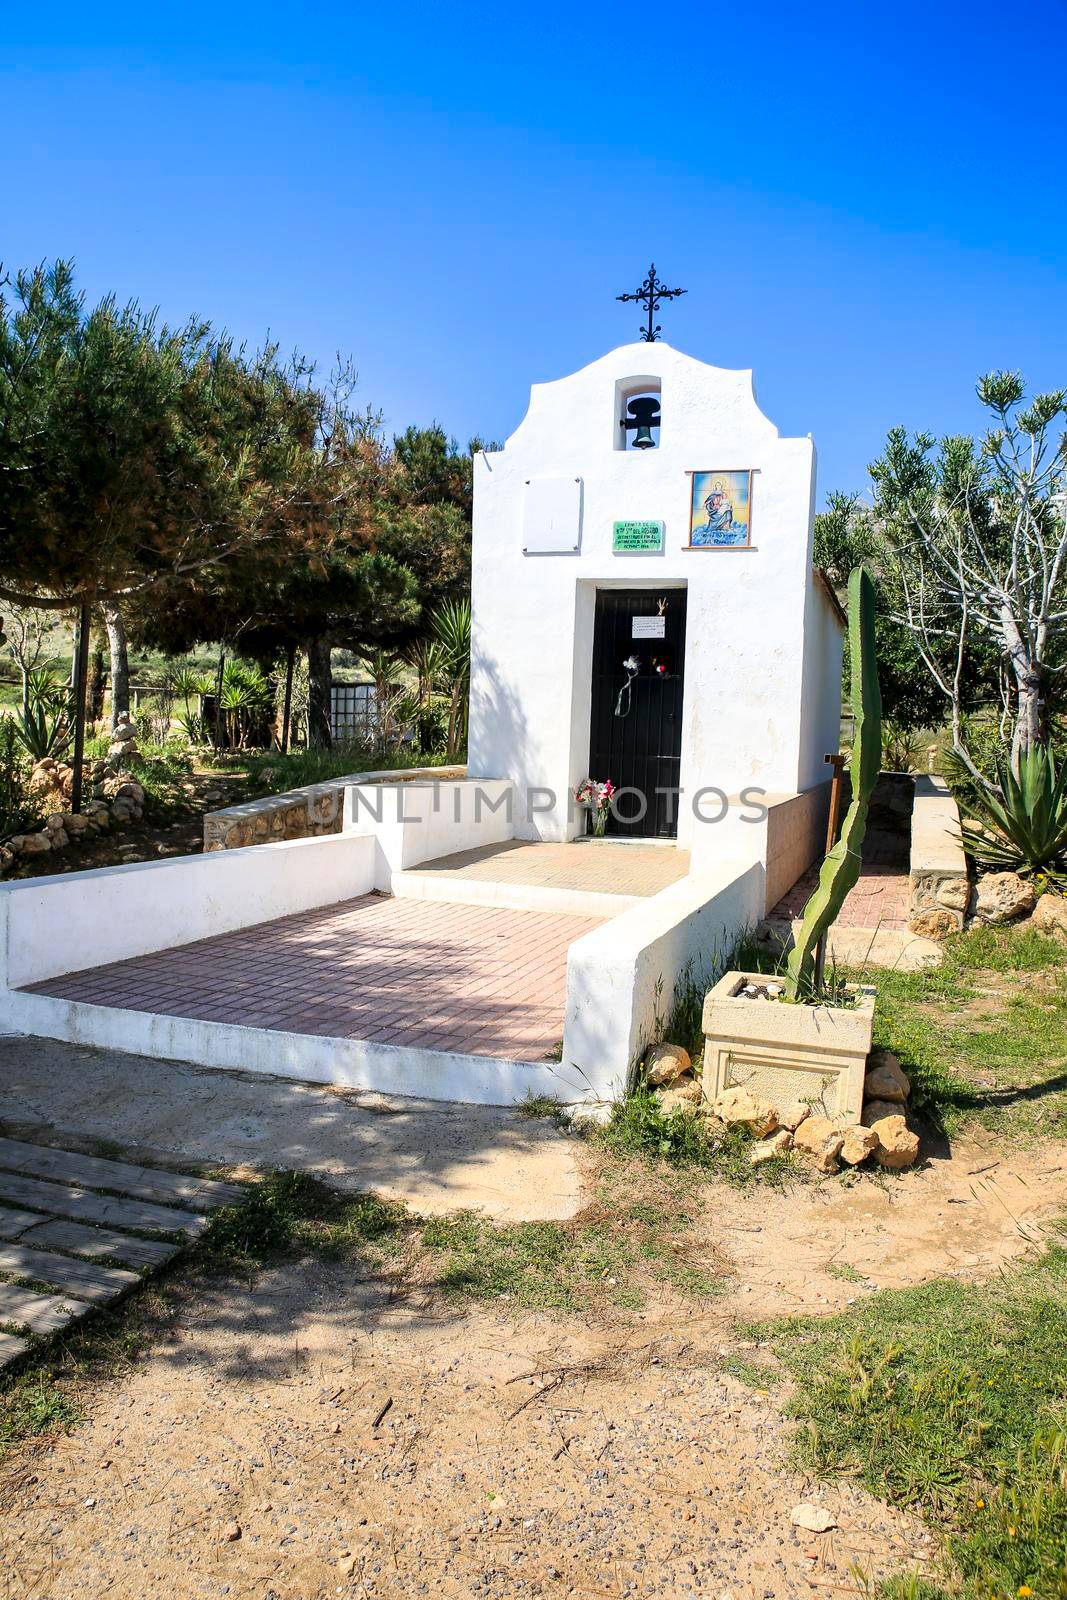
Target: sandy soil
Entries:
(319, 1434)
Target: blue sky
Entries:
(866, 204)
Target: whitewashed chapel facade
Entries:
(733, 640)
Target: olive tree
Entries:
(977, 535)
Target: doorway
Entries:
(635, 736)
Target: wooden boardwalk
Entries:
(77, 1231)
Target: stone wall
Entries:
(306, 813)
(796, 836)
(940, 884)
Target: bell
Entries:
(645, 414)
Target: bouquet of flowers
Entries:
(598, 797)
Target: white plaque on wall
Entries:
(649, 628)
(552, 516)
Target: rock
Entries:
(897, 1145)
(738, 1108)
(76, 823)
(129, 790)
(934, 924)
(857, 1144)
(346, 1566)
(30, 844)
(58, 838)
(1050, 916)
(6, 858)
(664, 1063)
(955, 893)
(231, 1532)
(813, 1519)
(1002, 897)
(792, 1114)
(886, 1078)
(54, 823)
(779, 1144)
(679, 1097)
(820, 1140)
(875, 1110)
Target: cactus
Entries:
(841, 868)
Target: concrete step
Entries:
(94, 1172)
(412, 884)
(72, 1238)
(82, 1278)
(40, 1313)
(80, 1205)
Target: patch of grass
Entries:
(34, 1403)
(754, 1373)
(984, 1036)
(847, 1274)
(534, 1265)
(269, 772)
(543, 1108)
(613, 1254)
(289, 1210)
(639, 1127)
(950, 1399)
(162, 772)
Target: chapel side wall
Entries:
(820, 694)
(746, 609)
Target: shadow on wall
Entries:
(495, 705)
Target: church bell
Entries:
(644, 416)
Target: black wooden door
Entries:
(636, 725)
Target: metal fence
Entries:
(353, 712)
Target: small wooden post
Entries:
(81, 677)
(833, 823)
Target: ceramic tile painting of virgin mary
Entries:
(720, 509)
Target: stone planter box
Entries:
(784, 1053)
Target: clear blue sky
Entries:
(866, 203)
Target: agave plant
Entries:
(1024, 828)
(43, 726)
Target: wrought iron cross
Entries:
(650, 294)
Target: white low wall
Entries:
(413, 822)
(309, 1058)
(622, 978)
(53, 925)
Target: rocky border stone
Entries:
(940, 883)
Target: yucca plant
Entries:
(1024, 828)
(452, 629)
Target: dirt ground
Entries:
(327, 1432)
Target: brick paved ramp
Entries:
(476, 980)
(62, 1215)
(879, 900)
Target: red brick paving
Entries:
(478, 980)
(881, 897)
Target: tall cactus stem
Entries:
(841, 868)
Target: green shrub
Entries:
(19, 811)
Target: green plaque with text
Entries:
(637, 538)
